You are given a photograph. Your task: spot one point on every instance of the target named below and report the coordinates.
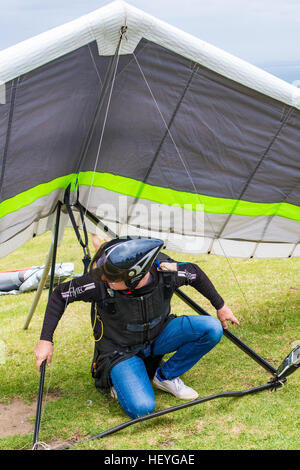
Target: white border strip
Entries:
(2, 93)
(103, 25)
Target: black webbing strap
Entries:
(87, 257)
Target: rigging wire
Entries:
(102, 133)
(109, 81)
(190, 177)
(112, 70)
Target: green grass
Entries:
(263, 294)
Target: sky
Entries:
(263, 32)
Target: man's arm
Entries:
(191, 274)
(84, 289)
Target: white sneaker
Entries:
(176, 387)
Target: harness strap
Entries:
(86, 252)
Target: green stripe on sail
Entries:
(136, 189)
(28, 197)
(190, 201)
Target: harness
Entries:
(124, 325)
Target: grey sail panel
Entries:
(179, 125)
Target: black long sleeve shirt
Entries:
(86, 289)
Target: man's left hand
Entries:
(225, 315)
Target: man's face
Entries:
(115, 285)
(120, 285)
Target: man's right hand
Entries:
(43, 350)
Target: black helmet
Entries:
(127, 259)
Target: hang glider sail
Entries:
(156, 131)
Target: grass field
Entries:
(263, 294)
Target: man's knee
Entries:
(141, 407)
(205, 326)
(214, 330)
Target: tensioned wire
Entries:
(104, 123)
(190, 176)
(176, 148)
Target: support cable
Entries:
(273, 385)
(188, 172)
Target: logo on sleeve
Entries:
(189, 276)
(76, 291)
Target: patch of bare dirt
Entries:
(15, 416)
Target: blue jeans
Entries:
(189, 336)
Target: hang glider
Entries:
(157, 132)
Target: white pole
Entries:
(40, 286)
